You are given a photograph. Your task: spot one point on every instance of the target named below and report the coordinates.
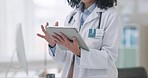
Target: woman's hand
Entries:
(47, 36)
(72, 45)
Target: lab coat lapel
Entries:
(77, 20)
(94, 15)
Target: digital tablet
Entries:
(70, 33)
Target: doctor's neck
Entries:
(88, 4)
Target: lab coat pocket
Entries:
(99, 33)
(95, 38)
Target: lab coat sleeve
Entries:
(101, 59)
(59, 54)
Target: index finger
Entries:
(43, 29)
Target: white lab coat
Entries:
(95, 63)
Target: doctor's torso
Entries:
(91, 34)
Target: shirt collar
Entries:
(89, 9)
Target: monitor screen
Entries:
(21, 48)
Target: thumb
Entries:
(75, 41)
(56, 24)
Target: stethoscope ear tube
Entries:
(100, 13)
(71, 18)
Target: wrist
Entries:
(52, 45)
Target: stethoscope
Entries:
(99, 24)
(71, 18)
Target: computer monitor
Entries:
(20, 47)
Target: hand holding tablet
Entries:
(70, 33)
